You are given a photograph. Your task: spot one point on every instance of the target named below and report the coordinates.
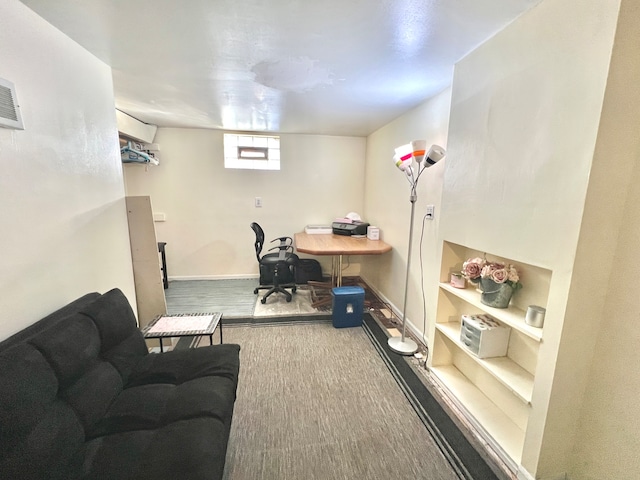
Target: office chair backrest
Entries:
(257, 229)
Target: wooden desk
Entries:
(337, 246)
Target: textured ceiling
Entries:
(292, 66)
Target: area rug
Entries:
(317, 402)
(276, 304)
(232, 297)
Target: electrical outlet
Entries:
(431, 212)
(258, 202)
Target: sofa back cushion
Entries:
(57, 383)
(40, 434)
(88, 383)
(113, 317)
(122, 344)
(70, 347)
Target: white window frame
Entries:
(252, 152)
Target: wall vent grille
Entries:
(9, 108)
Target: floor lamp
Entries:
(412, 159)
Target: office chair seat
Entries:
(277, 270)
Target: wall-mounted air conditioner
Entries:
(9, 109)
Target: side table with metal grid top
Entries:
(184, 325)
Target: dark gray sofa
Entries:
(81, 398)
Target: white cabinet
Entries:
(495, 392)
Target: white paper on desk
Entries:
(178, 324)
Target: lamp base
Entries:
(406, 347)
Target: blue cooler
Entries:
(348, 303)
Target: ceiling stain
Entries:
(300, 74)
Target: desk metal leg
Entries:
(161, 347)
(333, 270)
(336, 270)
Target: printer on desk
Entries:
(354, 227)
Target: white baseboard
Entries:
(212, 277)
(396, 311)
(523, 474)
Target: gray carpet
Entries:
(234, 298)
(315, 402)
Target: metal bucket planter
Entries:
(497, 295)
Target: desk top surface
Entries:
(330, 244)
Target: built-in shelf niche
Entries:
(496, 392)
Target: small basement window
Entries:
(254, 152)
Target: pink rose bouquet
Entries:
(472, 269)
(476, 269)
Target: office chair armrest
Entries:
(282, 247)
(283, 240)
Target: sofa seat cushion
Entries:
(172, 386)
(186, 449)
(179, 366)
(155, 405)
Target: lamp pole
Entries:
(403, 345)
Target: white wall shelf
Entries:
(505, 370)
(489, 416)
(512, 316)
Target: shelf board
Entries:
(512, 316)
(494, 421)
(503, 369)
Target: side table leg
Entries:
(161, 347)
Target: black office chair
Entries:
(277, 270)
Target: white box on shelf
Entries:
(373, 233)
(484, 336)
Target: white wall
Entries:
(608, 438)
(387, 206)
(64, 226)
(525, 129)
(524, 122)
(209, 209)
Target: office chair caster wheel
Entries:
(288, 299)
(255, 291)
(293, 289)
(263, 301)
